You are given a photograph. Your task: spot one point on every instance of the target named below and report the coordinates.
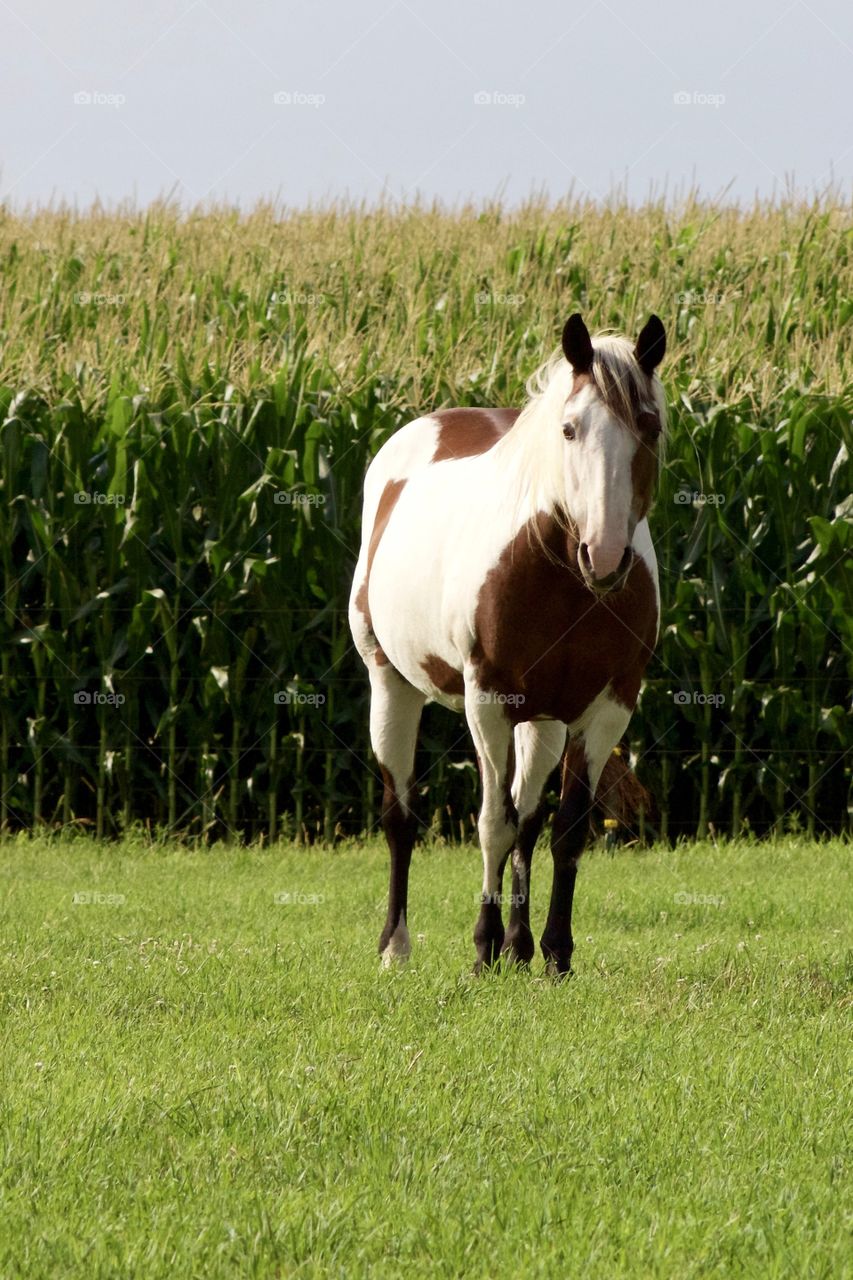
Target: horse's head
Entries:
(612, 422)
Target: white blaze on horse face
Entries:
(599, 491)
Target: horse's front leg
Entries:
(582, 765)
(498, 821)
(538, 750)
(571, 824)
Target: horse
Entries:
(507, 571)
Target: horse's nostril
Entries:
(625, 562)
(584, 557)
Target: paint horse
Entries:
(507, 571)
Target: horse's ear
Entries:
(577, 344)
(651, 345)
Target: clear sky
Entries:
(238, 99)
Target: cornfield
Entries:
(188, 405)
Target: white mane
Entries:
(531, 452)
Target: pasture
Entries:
(205, 1073)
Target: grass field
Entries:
(205, 1072)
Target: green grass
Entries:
(202, 1081)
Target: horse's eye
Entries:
(649, 424)
(569, 431)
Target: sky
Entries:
(238, 100)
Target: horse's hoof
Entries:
(396, 948)
(518, 949)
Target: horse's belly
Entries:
(423, 593)
(408, 609)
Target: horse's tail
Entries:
(620, 795)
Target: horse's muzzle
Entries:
(614, 581)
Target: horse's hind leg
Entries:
(395, 712)
(539, 748)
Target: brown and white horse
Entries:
(507, 571)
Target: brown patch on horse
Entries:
(644, 464)
(445, 678)
(466, 433)
(387, 503)
(579, 381)
(361, 603)
(644, 472)
(542, 634)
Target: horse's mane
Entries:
(531, 450)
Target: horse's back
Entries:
(465, 433)
(447, 435)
